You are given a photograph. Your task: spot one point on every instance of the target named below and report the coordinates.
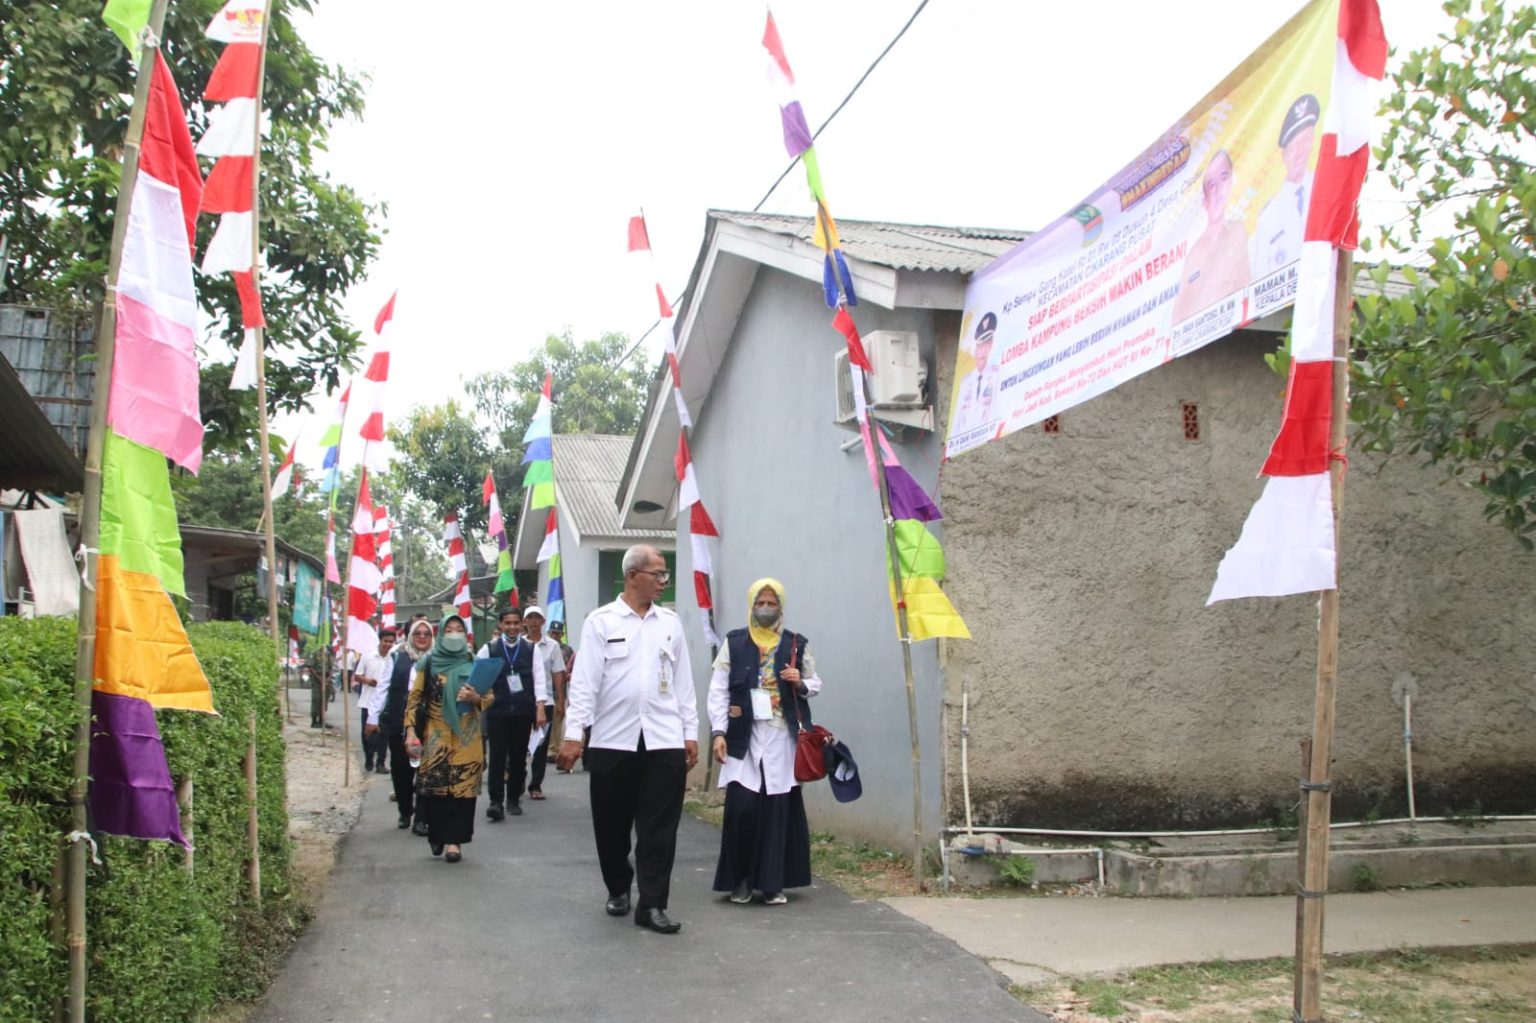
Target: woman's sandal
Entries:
(535, 793)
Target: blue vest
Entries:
(508, 703)
(746, 672)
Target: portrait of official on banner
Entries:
(1197, 237)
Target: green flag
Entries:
(127, 18)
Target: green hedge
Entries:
(163, 944)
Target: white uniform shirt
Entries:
(1277, 239)
(632, 675)
(372, 698)
(770, 759)
(548, 661)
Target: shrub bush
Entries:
(163, 944)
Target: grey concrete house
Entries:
(1103, 693)
(592, 539)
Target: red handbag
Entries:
(810, 746)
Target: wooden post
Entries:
(1319, 782)
(184, 800)
(90, 524)
(906, 663)
(1301, 872)
(252, 820)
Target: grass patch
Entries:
(1413, 985)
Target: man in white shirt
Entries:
(633, 685)
(548, 674)
(372, 675)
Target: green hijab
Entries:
(453, 667)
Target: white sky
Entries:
(512, 141)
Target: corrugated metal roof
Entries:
(588, 467)
(898, 246)
(34, 456)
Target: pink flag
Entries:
(153, 395)
(639, 238)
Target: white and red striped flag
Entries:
(363, 576)
(284, 478)
(1288, 545)
(701, 532)
(371, 390)
(454, 537)
(551, 545)
(682, 466)
(640, 241)
(382, 530)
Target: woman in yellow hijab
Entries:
(758, 704)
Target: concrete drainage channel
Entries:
(1388, 855)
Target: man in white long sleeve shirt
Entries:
(372, 677)
(634, 686)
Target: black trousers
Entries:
(402, 774)
(506, 765)
(375, 746)
(639, 791)
(541, 755)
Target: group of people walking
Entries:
(625, 708)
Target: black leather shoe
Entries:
(403, 823)
(657, 920)
(494, 812)
(437, 848)
(419, 828)
(515, 808)
(618, 905)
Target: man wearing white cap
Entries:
(549, 679)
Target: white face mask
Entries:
(766, 615)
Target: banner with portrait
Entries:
(1195, 238)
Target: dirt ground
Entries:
(321, 807)
(1488, 985)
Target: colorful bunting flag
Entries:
(549, 552)
(143, 659)
(127, 19)
(331, 442)
(798, 143)
(1287, 544)
(538, 456)
(498, 528)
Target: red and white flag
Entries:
(454, 537)
(231, 139)
(1287, 545)
(383, 530)
(284, 478)
(701, 534)
(682, 466)
(371, 391)
(363, 576)
(153, 394)
(551, 545)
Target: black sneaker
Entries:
(494, 811)
(403, 823)
(515, 808)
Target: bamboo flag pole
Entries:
(253, 822)
(1318, 786)
(906, 663)
(268, 512)
(90, 522)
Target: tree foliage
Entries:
(1447, 370)
(65, 89)
(444, 451)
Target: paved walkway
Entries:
(1027, 939)
(517, 931)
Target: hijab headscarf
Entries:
(765, 638)
(454, 667)
(409, 649)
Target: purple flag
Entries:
(908, 499)
(797, 137)
(131, 790)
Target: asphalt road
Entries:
(517, 931)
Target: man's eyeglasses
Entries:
(661, 574)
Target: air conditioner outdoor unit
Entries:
(898, 398)
(899, 373)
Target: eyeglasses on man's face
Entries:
(662, 575)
